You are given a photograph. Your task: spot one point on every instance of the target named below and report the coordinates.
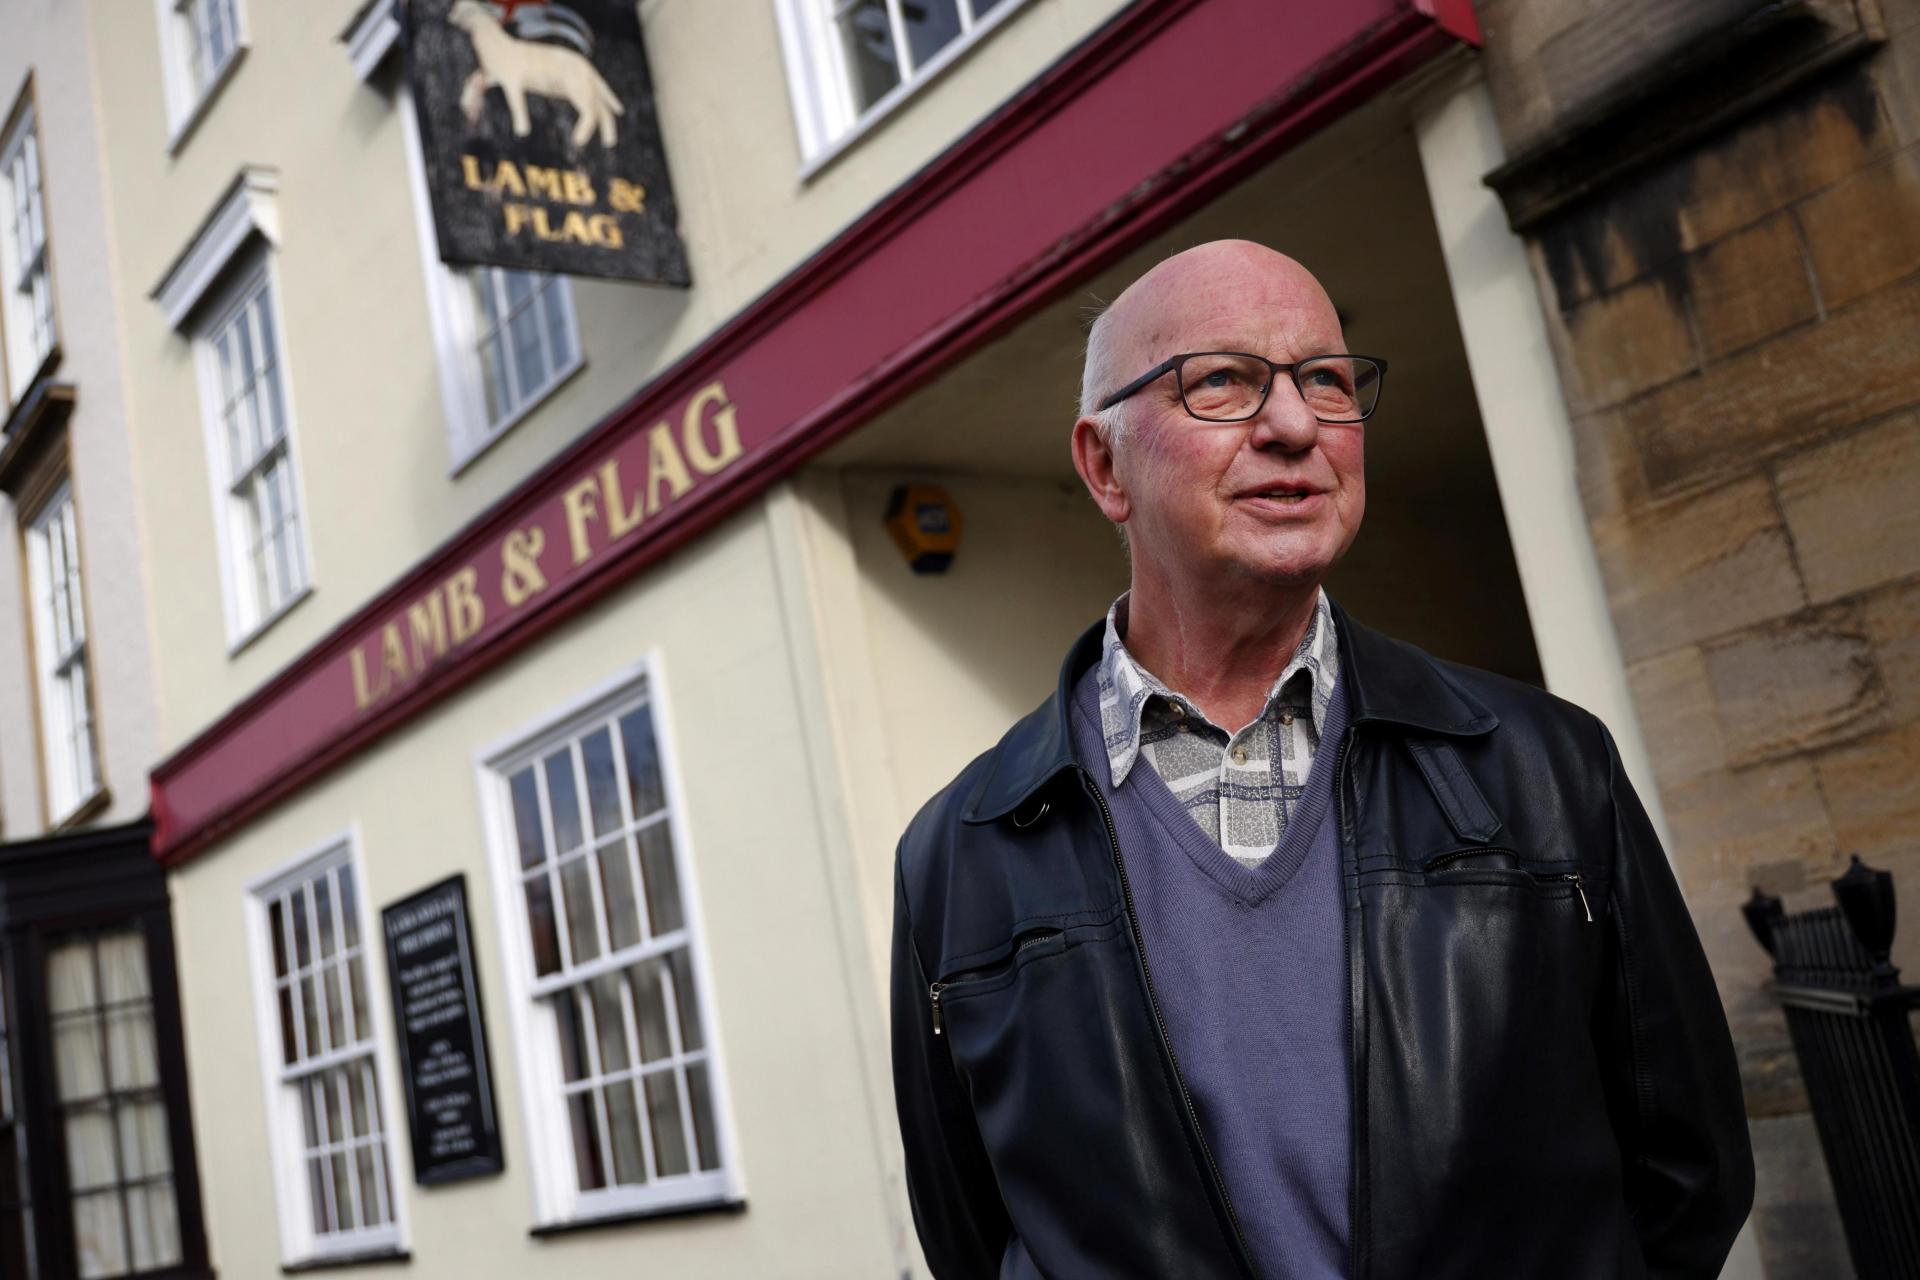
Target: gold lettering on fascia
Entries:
(552, 205)
(601, 508)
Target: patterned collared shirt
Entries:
(1240, 787)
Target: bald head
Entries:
(1210, 288)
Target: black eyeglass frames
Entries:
(1232, 386)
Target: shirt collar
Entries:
(1126, 687)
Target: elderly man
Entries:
(1270, 945)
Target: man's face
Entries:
(1213, 501)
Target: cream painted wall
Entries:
(808, 1100)
(924, 672)
(50, 41)
(370, 436)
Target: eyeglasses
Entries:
(1232, 386)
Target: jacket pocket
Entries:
(1492, 865)
(994, 973)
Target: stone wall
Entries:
(1738, 329)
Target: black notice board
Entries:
(540, 137)
(443, 1044)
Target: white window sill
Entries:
(183, 128)
(237, 644)
(82, 809)
(711, 1193)
(474, 448)
(348, 1249)
(897, 97)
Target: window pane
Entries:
(603, 794)
(553, 304)
(336, 1012)
(572, 1026)
(131, 1052)
(320, 1205)
(357, 989)
(643, 764)
(289, 1045)
(540, 926)
(686, 1001)
(154, 1220)
(587, 1164)
(311, 1011)
(623, 1126)
(525, 793)
(583, 931)
(323, 913)
(99, 1234)
(609, 1023)
(867, 36)
(616, 888)
(705, 1134)
(564, 801)
(529, 356)
(146, 1150)
(343, 1192)
(931, 26)
(650, 1009)
(663, 1121)
(276, 926)
(302, 935)
(91, 1163)
(664, 913)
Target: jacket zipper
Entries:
(1353, 1009)
(1020, 944)
(1561, 877)
(1166, 1043)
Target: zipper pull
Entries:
(1581, 890)
(933, 992)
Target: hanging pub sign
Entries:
(443, 1047)
(541, 145)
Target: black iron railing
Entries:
(1849, 1017)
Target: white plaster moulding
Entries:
(247, 208)
(371, 36)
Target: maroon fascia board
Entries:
(1236, 126)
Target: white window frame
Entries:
(455, 322)
(28, 322)
(67, 717)
(299, 1243)
(557, 1199)
(246, 617)
(189, 96)
(824, 110)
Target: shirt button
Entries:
(1182, 727)
(1286, 717)
(1239, 755)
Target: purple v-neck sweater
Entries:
(1250, 969)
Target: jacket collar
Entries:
(1386, 680)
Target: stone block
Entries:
(1865, 232)
(1853, 507)
(1769, 1073)
(1725, 822)
(1893, 626)
(1750, 286)
(1794, 1217)
(1606, 465)
(1626, 342)
(1792, 149)
(1680, 572)
(1795, 686)
(1677, 715)
(1873, 799)
(1802, 385)
(1897, 69)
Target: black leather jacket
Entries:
(1543, 1082)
